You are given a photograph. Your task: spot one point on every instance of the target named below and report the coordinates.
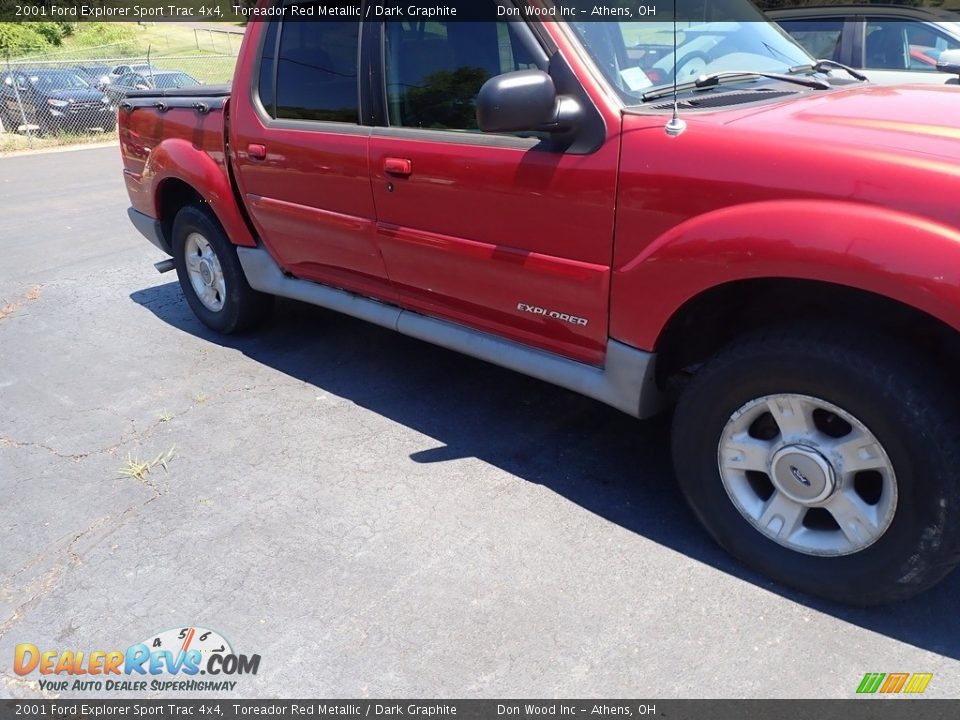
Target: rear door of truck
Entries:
(300, 151)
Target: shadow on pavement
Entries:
(600, 459)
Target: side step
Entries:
(626, 382)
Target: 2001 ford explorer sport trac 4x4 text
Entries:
(783, 258)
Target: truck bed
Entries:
(175, 139)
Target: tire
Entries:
(882, 534)
(214, 285)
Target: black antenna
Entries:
(675, 125)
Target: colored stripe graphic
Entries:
(918, 682)
(894, 683)
(870, 682)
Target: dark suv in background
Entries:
(53, 101)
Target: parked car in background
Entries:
(118, 71)
(155, 80)
(53, 101)
(96, 75)
(889, 44)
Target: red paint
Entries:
(856, 187)
(180, 144)
(760, 193)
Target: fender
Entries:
(888, 252)
(180, 159)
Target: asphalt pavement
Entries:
(373, 516)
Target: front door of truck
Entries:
(300, 153)
(497, 232)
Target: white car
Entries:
(889, 44)
(118, 71)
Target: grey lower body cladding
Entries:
(626, 382)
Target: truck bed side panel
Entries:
(178, 142)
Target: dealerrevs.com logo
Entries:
(169, 661)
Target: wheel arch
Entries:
(714, 317)
(880, 251)
(174, 194)
(181, 175)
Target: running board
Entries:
(626, 382)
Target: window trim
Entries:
(532, 40)
(268, 120)
(372, 93)
(539, 39)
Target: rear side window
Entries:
(316, 77)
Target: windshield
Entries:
(637, 55)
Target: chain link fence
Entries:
(60, 98)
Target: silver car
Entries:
(889, 44)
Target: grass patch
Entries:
(16, 142)
(210, 70)
(138, 469)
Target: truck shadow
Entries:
(605, 462)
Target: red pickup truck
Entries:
(639, 212)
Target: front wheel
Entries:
(211, 276)
(828, 461)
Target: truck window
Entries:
(267, 69)
(317, 71)
(435, 70)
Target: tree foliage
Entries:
(20, 38)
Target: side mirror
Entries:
(524, 100)
(949, 62)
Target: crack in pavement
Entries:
(10, 308)
(41, 588)
(134, 436)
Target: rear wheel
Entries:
(826, 460)
(211, 276)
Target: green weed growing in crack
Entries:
(139, 469)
